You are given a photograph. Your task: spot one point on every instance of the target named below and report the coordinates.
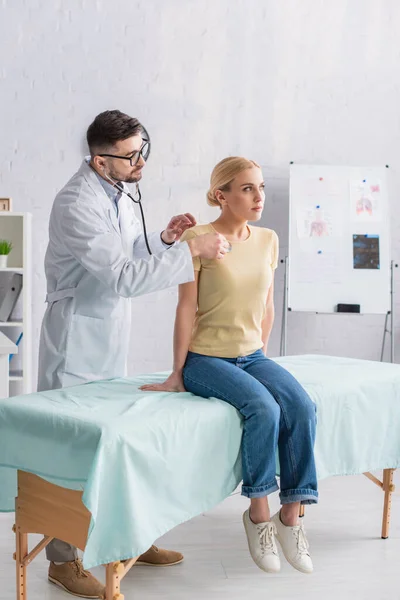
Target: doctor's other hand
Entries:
(209, 245)
(174, 383)
(176, 227)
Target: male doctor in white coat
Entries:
(96, 260)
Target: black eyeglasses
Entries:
(134, 158)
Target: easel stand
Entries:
(389, 315)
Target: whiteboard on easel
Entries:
(339, 239)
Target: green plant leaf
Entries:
(5, 247)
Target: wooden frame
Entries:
(388, 487)
(56, 512)
(5, 205)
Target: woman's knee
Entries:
(307, 410)
(263, 407)
(295, 399)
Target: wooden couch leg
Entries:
(388, 489)
(21, 553)
(114, 572)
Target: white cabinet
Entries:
(6, 348)
(16, 228)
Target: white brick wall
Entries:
(310, 81)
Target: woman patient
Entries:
(222, 327)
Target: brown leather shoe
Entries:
(157, 557)
(72, 577)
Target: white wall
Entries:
(309, 81)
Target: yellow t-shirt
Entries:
(233, 294)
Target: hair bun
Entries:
(211, 199)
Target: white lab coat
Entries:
(94, 265)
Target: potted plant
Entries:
(5, 249)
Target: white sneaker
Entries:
(294, 544)
(262, 546)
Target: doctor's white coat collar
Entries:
(97, 183)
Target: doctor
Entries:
(97, 259)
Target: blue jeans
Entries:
(277, 412)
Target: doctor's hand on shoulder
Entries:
(176, 227)
(208, 245)
(174, 383)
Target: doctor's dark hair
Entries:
(110, 127)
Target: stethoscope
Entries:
(138, 199)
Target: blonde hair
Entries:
(224, 173)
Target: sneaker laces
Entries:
(302, 543)
(80, 571)
(266, 531)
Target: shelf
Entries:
(17, 228)
(6, 345)
(11, 324)
(15, 376)
(10, 213)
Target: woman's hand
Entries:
(174, 383)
